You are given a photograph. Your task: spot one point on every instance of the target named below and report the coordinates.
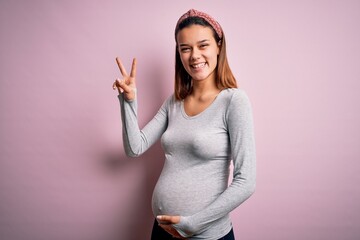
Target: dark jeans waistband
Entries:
(158, 233)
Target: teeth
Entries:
(200, 65)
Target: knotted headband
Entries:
(194, 13)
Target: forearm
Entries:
(137, 141)
(238, 192)
(132, 142)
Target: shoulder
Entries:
(235, 95)
(238, 103)
(170, 101)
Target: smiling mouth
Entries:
(198, 66)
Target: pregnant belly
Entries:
(186, 192)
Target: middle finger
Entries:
(133, 68)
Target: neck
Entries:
(204, 88)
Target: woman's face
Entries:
(198, 51)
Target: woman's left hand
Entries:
(166, 222)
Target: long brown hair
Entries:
(224, 77)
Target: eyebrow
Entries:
(202, 41)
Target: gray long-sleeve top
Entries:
(198, 150)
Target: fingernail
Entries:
(158, 217)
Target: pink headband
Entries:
(194, 13)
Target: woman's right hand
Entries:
(126, 85)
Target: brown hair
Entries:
(224, 77)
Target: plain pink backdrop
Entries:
(63, 173)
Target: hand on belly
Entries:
(165, 222)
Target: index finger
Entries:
(121, 67)
(133, 68)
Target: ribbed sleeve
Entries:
(137, 141)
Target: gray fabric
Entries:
(198, 152)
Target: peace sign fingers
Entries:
(127, 85)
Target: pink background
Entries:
(63, 173)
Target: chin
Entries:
(199, 78)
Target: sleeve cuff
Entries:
(122, 99)
(183, 227)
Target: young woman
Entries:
(204, 125)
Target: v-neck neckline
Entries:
(200, 113)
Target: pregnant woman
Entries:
(203, 126)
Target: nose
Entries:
(195, 54)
